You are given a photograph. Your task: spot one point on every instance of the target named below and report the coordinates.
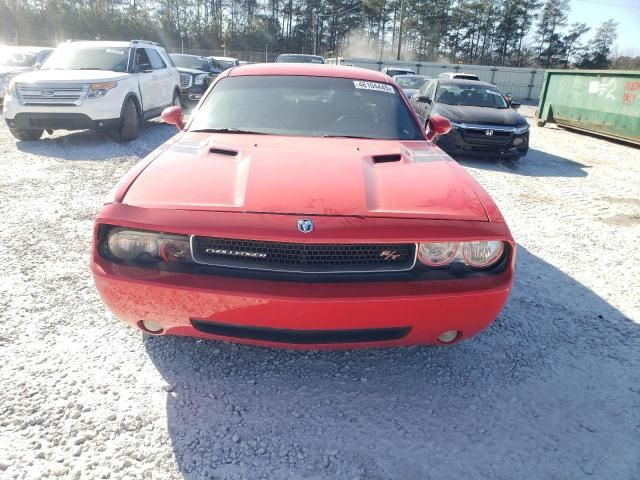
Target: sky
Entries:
(625, 12)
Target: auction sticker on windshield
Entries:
(378, 87)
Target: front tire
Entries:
(129, 122)
(177, 101)
(27, 135)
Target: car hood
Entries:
(190, 71)
(69, 76)
(483, 115)
(5, 69)
(307, 176)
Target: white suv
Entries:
(93, 85)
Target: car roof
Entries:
(187, 55)
(299, 55)
(400, 69)
(413, 76)
(310, 70)
(463, 81)
(230, 59)
(112, 43)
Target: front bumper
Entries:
(457, 142)
(292, 314)
(193, 94)
(60, 121)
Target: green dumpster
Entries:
(605, 102)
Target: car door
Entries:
(147, 80)
(420, 107)
(431, 95)
(163, 78)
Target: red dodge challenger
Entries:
(303, 206)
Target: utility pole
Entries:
(314, 29)
(400, 29)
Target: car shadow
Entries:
(535, 164)
(548, 391)
(96, 146)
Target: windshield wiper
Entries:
(348, 136)
(228, 130)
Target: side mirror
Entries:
(423, 99)
(173, 116)
(515, 104)
(438, 126)
(145, 68)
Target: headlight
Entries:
(521, 130)
(11, 89)
(482, 254)
(142, 246)
(476, 254)
(99, 90)
(437, 254)
(200, 78)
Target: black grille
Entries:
(479, 136)
(303, 257)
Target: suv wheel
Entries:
(129, 122)
(27, 135)
(177, 102)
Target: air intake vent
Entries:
(396, 157)
(222, 151)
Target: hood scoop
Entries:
(223, 151)
(395, 157)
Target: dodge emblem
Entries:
(488, 133)
(305, 225)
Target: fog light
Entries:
(449, 336)
(150, 327)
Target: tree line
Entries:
(497, 32)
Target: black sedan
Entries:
(483, 123)
(196, 73)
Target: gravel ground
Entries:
(550, 391)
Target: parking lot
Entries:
(550, 391)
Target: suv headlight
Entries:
(99, 90)
(475, 254)
(141, 246)
(521, 130)
(200, 78)
(11, 89)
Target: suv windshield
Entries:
(307, 106)
(189, 61)
(471, 96)
(411, 81)
(72, 57)
(299, 59)
(17, 57)
(223, 64)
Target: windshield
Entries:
(307, 106)
(225, 64)
(16, 57)
(299, 59)
(189, 61)
(470, 95)
(70, 57)
(410, 81)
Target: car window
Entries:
(76, 57)
(471, 96)
(431, 88)
(156, 60)
(307, 106)
(411, 81)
